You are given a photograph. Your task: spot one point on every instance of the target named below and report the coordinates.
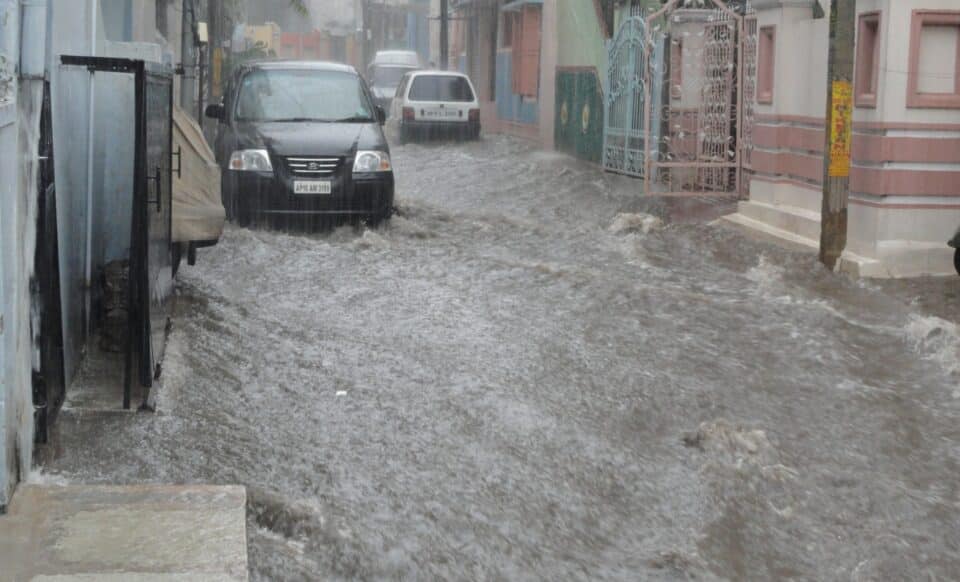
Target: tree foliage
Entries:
(299, 6)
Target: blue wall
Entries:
(418, 35)
(510, 106)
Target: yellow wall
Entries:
(267, 34)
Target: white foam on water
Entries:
(371, 240)
(38, 477)
(630, 223)
(936, 339)
(766, 274)
(771, 286)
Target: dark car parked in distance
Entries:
(301, 145)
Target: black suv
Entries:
(301, 145)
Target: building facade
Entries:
(540, 66)
(66, 197)
(905, 175)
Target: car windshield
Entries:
(302, 95)
(441, 88)
(388, 76)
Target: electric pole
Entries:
(444, 35)
(836, 167)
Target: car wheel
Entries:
(956, 261)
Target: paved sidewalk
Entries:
(146, 533)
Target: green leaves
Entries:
(300, 7)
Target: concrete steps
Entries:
(795, 226)
(799, 222)
(105, 533)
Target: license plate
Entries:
(312, 187)
(441, 113)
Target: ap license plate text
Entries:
(312, 187)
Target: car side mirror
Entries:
(381, 115)
(215, 112)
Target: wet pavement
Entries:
(525, 377)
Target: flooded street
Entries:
(526, 377)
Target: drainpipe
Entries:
(91, 115)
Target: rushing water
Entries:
(526, 377)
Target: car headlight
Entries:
(251, 161)
(367, 162)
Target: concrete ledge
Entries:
(797, 221)
(900, 260)
(147, 533)
(897, 259)
(772, 233)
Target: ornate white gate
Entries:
(676, 98)
(624, 132)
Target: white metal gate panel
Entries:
(625, 120)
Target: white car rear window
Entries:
(446, 88)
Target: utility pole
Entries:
(214, 9)
(836, 170)
(444, 35)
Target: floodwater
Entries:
(526, 377)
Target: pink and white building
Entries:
(905, 176)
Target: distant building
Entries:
(540, 66)
(263, 35)
(398, 24)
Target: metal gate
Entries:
(150, 274)
(676, 101)
(625, 123)
(157, 113)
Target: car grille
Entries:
(314, 167)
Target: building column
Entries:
(905, 175)
(786, 158)
(549, 50)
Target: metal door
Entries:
(49, 382)
(150, 266)
(158, 109)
